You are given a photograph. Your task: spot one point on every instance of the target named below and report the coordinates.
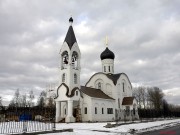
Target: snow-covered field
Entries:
(99, 129)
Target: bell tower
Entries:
(70, 60)
(68, 92)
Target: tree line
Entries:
(27, 100)
(152, 103)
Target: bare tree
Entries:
(24, 100)
(137, 95)
(140, 94)
(155, 96)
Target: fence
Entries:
(153, 113)
(27, 119)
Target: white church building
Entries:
(107, 96)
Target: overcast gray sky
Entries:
(143, 34)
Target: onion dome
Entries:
(107, 54)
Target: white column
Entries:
(62, 109)
(58, 111)
(70, 107)
(69, 117)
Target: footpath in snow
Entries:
(99, 129)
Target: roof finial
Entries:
(106, 41)
(71, 20)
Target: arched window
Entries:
(99, 85)
(63, 77)
(75, 60)
(95, 110)
(104, 68)
(76, 93)
(64, 60)
(75, 78)
(65, 111)
(85, 110)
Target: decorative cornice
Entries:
(67, 92)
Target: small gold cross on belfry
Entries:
(106, 41)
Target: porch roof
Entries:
(127, 101)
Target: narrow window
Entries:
(76, 93)
(118, 102)
(123, 86)
(65, 111)
(102, 110)
(109, 68)
(104, 68)
(85, 110)
(95, 110)
(99, 85)
(75, 79)
(63, 77)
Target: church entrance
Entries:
(77, 111)
(77, 114)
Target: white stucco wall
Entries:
(91, 103)
(128, 88)
(86, 102)
(102, 103)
